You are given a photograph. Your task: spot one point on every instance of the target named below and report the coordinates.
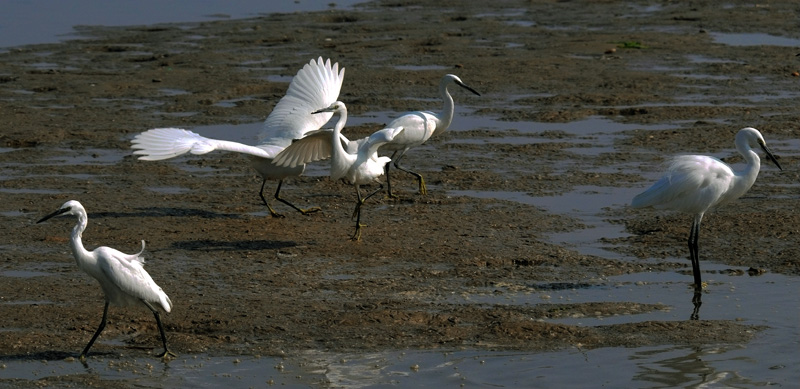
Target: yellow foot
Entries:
(165, 356)
(423, 189)
(310, 210)
(357, 235)
(703, 285)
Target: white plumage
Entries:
(419, 126)
(316, 85)
(121, 276)
(695, 184)
(357, 162)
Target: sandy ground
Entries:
(244, 283)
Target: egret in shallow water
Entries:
(696, 183)
(419, 126)
(356, 163)
(316, 85)
(122, 276)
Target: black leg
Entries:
(96, 334)
(357, 211)
(388, 179)
(357, 215)
(697, 302)
(694, 253)
(423, 190)
(166, 352)
(264, 199)
(160, 330)
(303, 211)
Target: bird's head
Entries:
(71, 207)
(748, 135)
(337, 106)
(454, 79)
(770, 156)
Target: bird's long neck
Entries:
(76, 243)
(339, 156)
(745, 178)
(446, 116)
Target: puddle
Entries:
(30, 191)
(169, 189)
(232, 103)
(87, 157)
(769, 359)
(585, 203)
(521, 23)
(129, 103)
(23, 273)
(173, 92)
(14, 213)
(246, 133)
(421, 67)
(25, 23)
(278, 78)
(696, 58)
(753, 39)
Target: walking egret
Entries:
(122, 276)
(316, 85)
(418, 127)
(696, 183)
(356, 163)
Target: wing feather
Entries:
(315, 146)
(692, 184)
(316, 85)
(165, 143)
(126, 272)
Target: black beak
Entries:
(465, 86)
(771, 156)
(328, 109)
(61, 211)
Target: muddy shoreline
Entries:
(244, 283)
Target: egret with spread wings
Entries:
(355, 162)
(316, 85)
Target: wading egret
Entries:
(316, 85)
(418, 127)
(356, 163)
(696, 183)
(122, 276)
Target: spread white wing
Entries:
(164, 143)
(315, 86)
(315, 146)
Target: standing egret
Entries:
(418, 127)
(357, 163)
(122, 276)
(317, 84)
(696, 183)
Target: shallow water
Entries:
(770, 299)
(23, 22)
(769, 359)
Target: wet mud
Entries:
(245, 283)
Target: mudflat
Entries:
(245, 283)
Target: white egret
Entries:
(418, 127)
(122, 276)
(696, 183)
(316, 85)
(356, 163)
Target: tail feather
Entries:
(165, 143)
